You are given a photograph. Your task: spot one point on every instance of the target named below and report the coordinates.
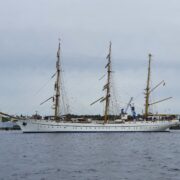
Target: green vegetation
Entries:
(5, 119)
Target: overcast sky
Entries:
(29, 32)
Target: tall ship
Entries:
(58, 123)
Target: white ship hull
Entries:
(48, 126)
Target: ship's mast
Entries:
(147, 90)
(107, 86)
(57, 85)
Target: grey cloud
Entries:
(29, 32)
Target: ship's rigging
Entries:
(60, 102)
(106, 88)
(149, 90)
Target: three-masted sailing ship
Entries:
(58, 124)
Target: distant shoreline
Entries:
(10, 128)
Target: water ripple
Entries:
(129, 156)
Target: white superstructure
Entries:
(46, 126)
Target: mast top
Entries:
(110, 43)
(59, 41)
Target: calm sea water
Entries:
(98, 156)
